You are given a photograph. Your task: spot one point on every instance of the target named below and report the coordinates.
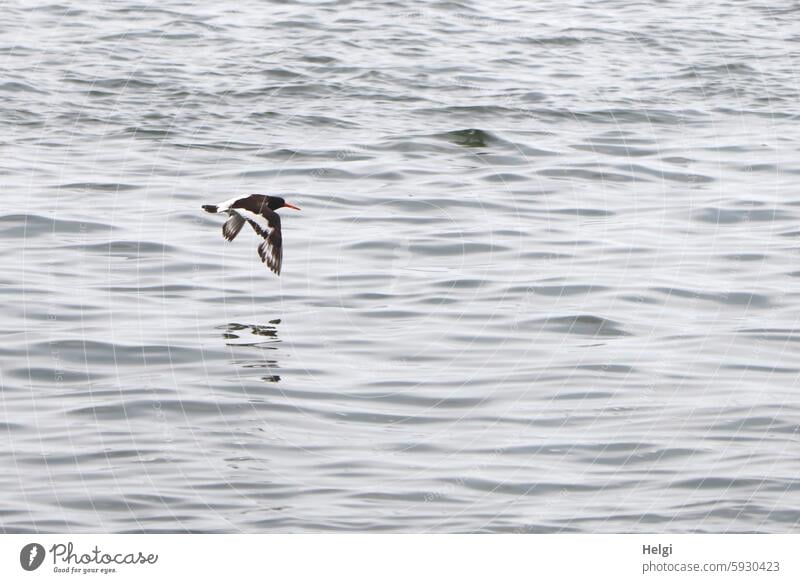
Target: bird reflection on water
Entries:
(257, 336)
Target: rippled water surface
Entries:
(545, 278)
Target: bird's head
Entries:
(276, 202)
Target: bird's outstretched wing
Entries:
(232, 226)
(271, 248)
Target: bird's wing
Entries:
(271, 248)
(233, 225)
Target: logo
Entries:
(31, 556)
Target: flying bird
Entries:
(259, 211)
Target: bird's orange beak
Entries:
(291, 206)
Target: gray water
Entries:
(545, 278)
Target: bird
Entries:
(259, 211)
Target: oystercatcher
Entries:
(259, 211)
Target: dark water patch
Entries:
(746, 299)
(384, 419)
(102, 504)
(327, 172)
(407, 496)
(762, 368)
(128, 83)
(583, 396)
(545, 256)
(36, 225)
(142, 408)
(436, 205)
(375, 296)
(528, 450)
(615, 446)
(237, 486)
(99, 186)
(468, 113)
(625, 151)
(215, 146)
(438, 301)
(150, 132)
(532, 97)
(365, 278)
(718, 483)
(4, 426)
(469, 138)
(763, 168)
(680, 177)
(282, 73)
(592, 175)
(297, 155)
(758, 424)
(19, 87)
(175, 291)
(623, 116)
(608, 368)
(646, 518)
(745, 257)
(649, 458)
(721, 216)
(774, 334)
(455, 249)
(465, 283)
(319, 59)
(83, 458)
(583, 212)
(584, 325)
(316, 121)
(427, 402)
(108, 353)
(19, 291)
(741, 510)
(561, 290)
(724, 69)
(105, 390)
(527, 488)
(393, 219)
(679, 160)
(412, 397)
(127, 249)
(504, 178)
(559, 41)
(392, 176)
(391, 314)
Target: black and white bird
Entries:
(259, 211)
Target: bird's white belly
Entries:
(260, 220)
(227, 204)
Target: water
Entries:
(545, 278)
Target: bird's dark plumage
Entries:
(271, 248)
(259, 211)
(232, 226)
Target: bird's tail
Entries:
(210, 208)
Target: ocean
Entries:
(545, 278)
